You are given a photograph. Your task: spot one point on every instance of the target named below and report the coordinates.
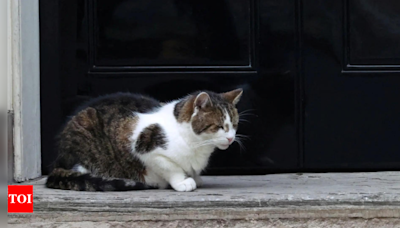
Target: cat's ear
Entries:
(233, 96)
(202, 100)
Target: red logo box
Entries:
(20, 199)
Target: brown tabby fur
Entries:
(212, 117)
(97, 138)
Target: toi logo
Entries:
(20, 199)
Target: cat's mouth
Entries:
(223, 146)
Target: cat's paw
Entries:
(187, 185)
(199, 181)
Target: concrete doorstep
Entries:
(281, 200)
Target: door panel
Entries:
(373, 32)
(351, 85)
(172, 33)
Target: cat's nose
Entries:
(229, 139)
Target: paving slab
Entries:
(308, 196)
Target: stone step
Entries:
(349, 199)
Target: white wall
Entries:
(3, 55)
(3, 90)
(9, 57)
(25, 74)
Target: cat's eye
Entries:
(219, 126)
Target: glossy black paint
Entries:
(312, 98)
(351, 85)
(373, 24)
(171, 33)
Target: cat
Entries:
(127, 141)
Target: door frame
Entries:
(23, 84)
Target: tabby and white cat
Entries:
(131, 142)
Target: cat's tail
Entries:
(73, 180)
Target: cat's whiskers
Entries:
(242, 136)
(246, 111)
(203, 143)
(239, 138)
(247, 114)
(244, 114)
(206, 142)
(243, 120)
(241, 146)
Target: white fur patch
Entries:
(231, 132)
(186, 155)
(80, 169)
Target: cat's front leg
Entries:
(172, 173)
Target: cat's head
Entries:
(213, 117)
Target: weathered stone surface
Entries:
(280, 223)
(283, 200)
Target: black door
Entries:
(319, 82)
(352, 84)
